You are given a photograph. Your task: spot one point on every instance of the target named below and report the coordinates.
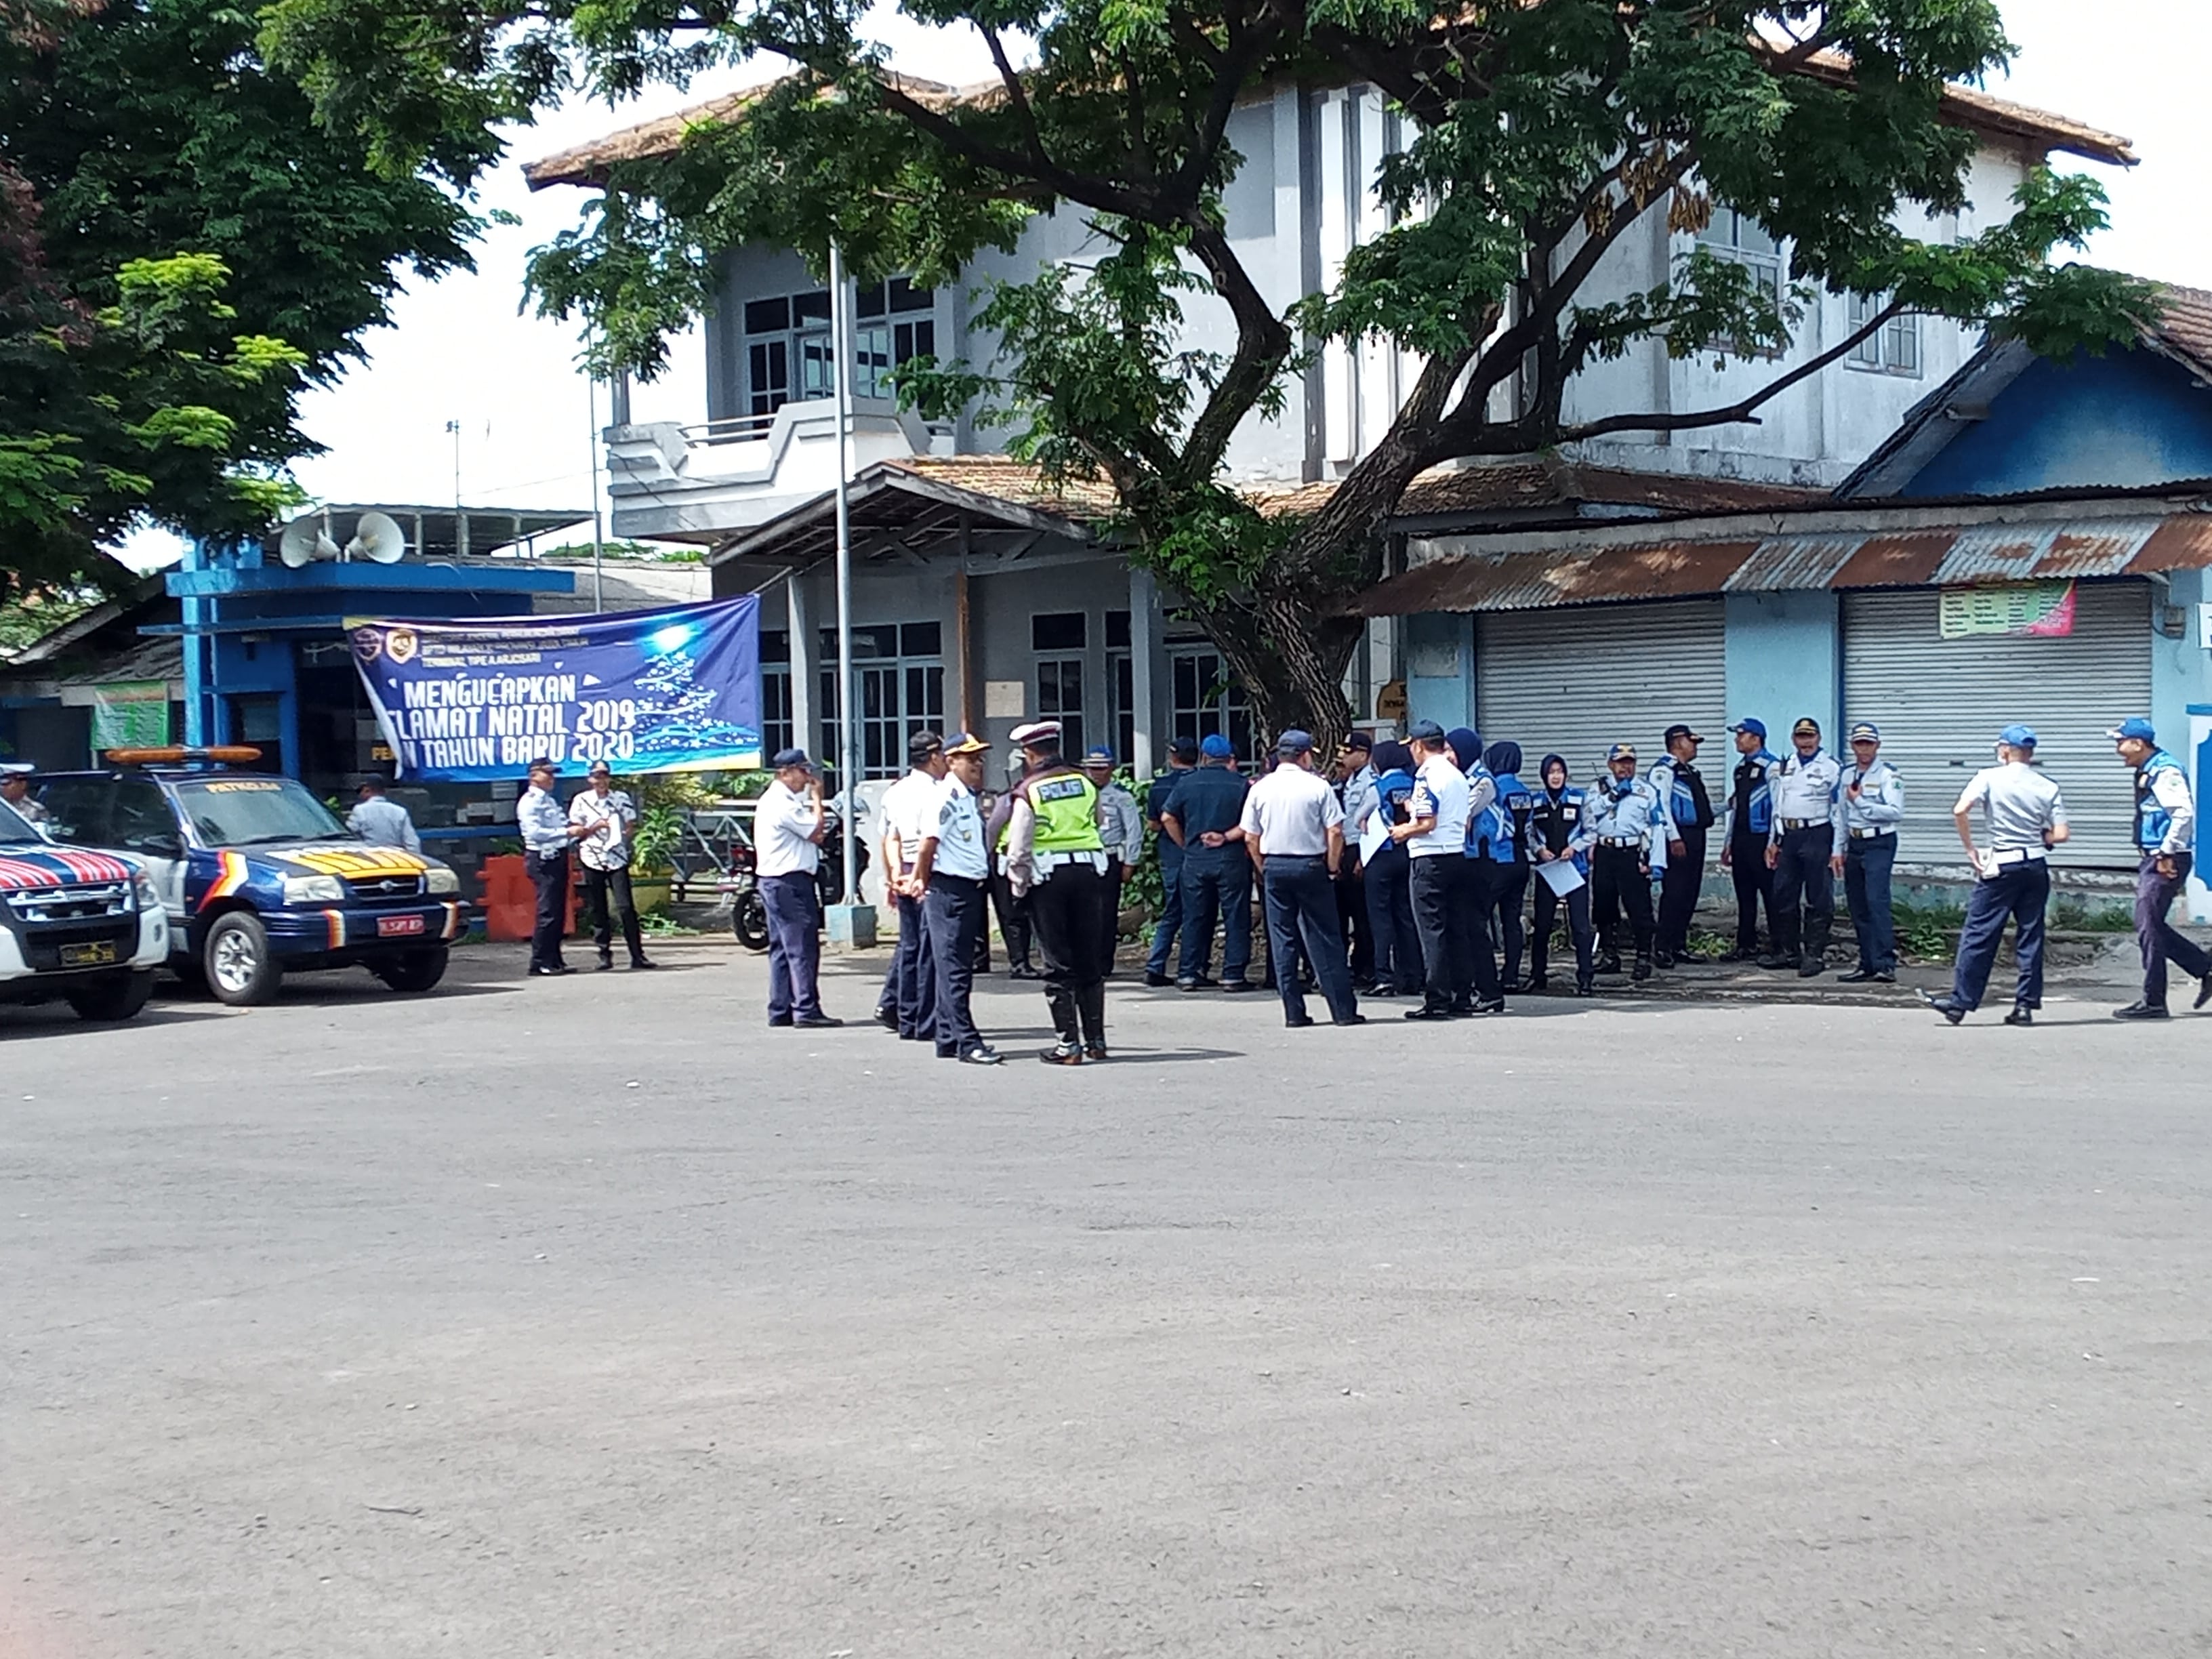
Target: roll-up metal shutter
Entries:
(1575, 682)
(1940, 704)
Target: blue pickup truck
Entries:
(256, 877)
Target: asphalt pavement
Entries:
(590, 1317)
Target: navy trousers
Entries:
(1390, 920)
(2154, 895)
(1497, 888)
(917, 965)
(794, 947)
(1679, 888)
(1169, 925)
(1867, 865)
(1216, 885)
(2018, 893)
(954, 908)
(1301, 902)
(549, 874)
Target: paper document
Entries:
(1560, 876)
(1372, 836)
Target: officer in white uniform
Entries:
(952, 869)
(1869, 805)
(2026, 818)
(15, 789)
(1798, 849)
(1628, 827)
(1121, 822)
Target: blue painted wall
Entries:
(1440, 668)
(2180, 669)
(2126, 418)
(1784, 662)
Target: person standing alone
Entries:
(2165, 834)
(546, 833)
(608, 819)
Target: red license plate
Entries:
(392, 926)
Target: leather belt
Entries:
(1871, 834)
(1047, 862)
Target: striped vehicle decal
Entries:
(452, 922)
(335, 919)
(362, 866)
(34, 870)
(234, 877)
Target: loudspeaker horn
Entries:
(378, 538)
(304, 541)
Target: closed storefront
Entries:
(1941, 703)
(1575, 681)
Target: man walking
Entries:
(1628, 829)
(1802, 841)
(1750, 813)
(1869, 808)
(906, 812)
(546, 833)
(1434, 836)
(2026, 818)
(788, 825)
(1689, 811)
(2165, 834)
(607, 818)
(1122, 822)
(1294, 834)
(1057, 854)
(1183, 756)
(1217, 876)
(380, 821)
(952, 868)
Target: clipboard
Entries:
(1560, 876)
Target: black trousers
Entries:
(1754, 885)
(916, 965)
(549, 874)
(1443, 918)
(1678, 892)
(1301, 903)
(1500, 887)
(1577, 907)
(1013, 920)
(1390, 920)
(1804, 902)
(1068, 910)
(600, 885)
(1112, 935)
(1351, 885)
(953, 908)
(1618, 883)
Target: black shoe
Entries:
(2203, 992)
(1777, 962)
(1527, 988)
(888, 1018)
(1943, 1005)
(1856, 976)
(1094, 1051)
(2021, 1016)
(1607, 966)
(1663, 958)
(551, 973)
(2140, 1011)
(1024, 972)
(1642, 969)
(985, 1055)
(1298, 1023)
(1585, 988)
(1238, 986)
(1351, 1019)
(637, 962)
(605, 966)
(1065, 1054)
(1157, 980)
(1883, 977)
(1430, 1011)
(1811, 967)
(1463, 1009)
(818, 1023)
(1490, 1006)
(783, 1024)
(1202, 983)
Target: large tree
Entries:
(1542, 133)
(183, 249)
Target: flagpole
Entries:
(848, 735)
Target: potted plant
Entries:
(652, 850)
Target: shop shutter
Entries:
(1575, 682)
(1939, 704)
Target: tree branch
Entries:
(1263, 342)
(1017, 94)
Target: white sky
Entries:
(459, 350)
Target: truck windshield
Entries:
(16, 830)
(243, 812)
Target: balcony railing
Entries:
(753, 428)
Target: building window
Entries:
(788, 349)
(898, 675)
(775, 691)
(1895, 349)
(1207, 698)
(1120, 687)
(1059, 638)
(1741, 240)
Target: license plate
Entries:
(392, 927)
(88, 956)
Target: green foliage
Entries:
(30, 617)
(1539, 136)
(182, 251)
(660, 831)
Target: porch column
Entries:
(1145, 665)
(806, 673)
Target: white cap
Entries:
(1037, 731)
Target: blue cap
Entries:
(784, 758)
(1620, 751)
(2017, 737)
(1214, 746)
(1424, 732)
(1098, 755)
(2137, 727)
(1294, 742)
(1756, 728)
(1865, 731)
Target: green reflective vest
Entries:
(1067, 806)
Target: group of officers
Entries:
(1403, 868)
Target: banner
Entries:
(130, 714)
(2035, 610)
(644, 690)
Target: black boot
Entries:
(1642, 967)
(1091, 1007)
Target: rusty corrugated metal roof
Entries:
(1680, 569)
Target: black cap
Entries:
(1359, 743)
(545, 763)
(1184, 749)
(1424, 732)
(784, 758)
(922, 744)
(1680, 731)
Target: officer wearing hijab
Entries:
(1389, 897)
(1558, 828)
(1498, 838)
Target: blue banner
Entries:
(644, 690)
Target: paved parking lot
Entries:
(591, 1318)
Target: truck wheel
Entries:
(748, 922)
(240, 969)
(119, 996)
(412, 970)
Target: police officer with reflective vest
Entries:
(1798, 849)
(1628, 830)
(1056, 854)
(1682, 789)
(1558, 829)
(1750, 814)
(2165, 834)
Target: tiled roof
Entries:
(2183, 327)
(1021, 482)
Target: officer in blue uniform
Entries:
(2165, 834)
(1217, 873)
(1389, 891)
(1496, 839)
(1750, 813)
(1183, 758)
(1558, 829)
(1804, 787)
(1682, 789)
(1628, 832)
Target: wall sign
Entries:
(2030, 609)
(130, 714)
